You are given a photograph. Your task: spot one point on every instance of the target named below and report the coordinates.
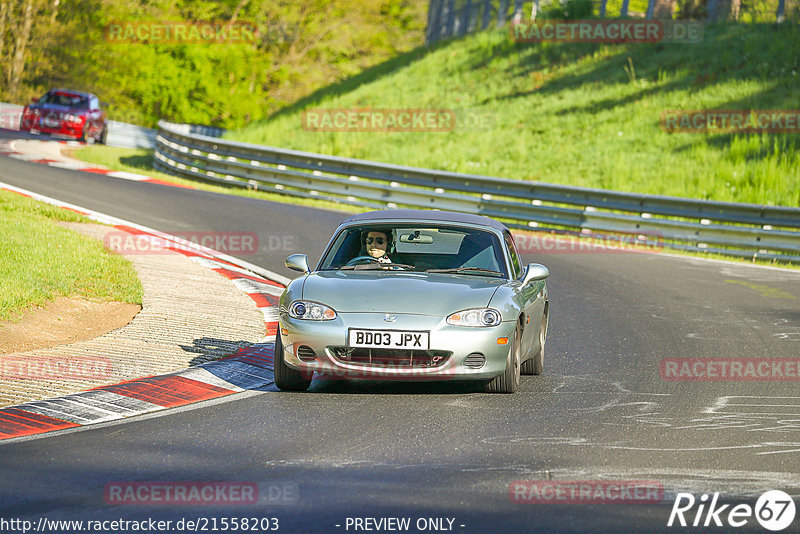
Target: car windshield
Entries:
(428, 248)
(65, 99)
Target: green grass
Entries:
(579, 114)
(140, 161)
(40, 260)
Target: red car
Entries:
(66, 113)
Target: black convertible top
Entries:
(427, 215)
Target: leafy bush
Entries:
(577, 9)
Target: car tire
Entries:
(535, 365)
(84, 138)
(509, 380)
(286, 378)
(103, 139)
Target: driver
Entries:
(378, 244)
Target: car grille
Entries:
(306, 354)
(402, 358)
(476, 360)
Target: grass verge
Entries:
(40, 260)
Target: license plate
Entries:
(389, 339)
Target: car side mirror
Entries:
(535, 271)
(298, 262)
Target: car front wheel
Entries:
(509, 380)
(286, 378)
(535, 365)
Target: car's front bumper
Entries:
(65, 130)
(327, 338)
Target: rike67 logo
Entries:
(774, 510)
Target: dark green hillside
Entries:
(580, 114)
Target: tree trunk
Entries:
(3, 17)
(18, 65)
(54, 14)
(723, 10)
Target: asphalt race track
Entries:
(445, 456)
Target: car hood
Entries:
(397, 292)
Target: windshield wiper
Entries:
(376, 266)
(467, 270)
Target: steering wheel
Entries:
(359, 259)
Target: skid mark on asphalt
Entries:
(636, 412)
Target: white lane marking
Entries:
(114, 402)
(270, 314)
(251, 286)
(202, 375)
(89, 407)
(69, 165)
(128, 176)
(25, 157)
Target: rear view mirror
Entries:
(416, 238)
(535, 271)
(298, 262)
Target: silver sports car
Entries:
(414, 295)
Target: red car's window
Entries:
(65, 99)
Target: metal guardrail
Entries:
(744, 230)
(124, 135)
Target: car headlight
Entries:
(313, 311)
(475, 317)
